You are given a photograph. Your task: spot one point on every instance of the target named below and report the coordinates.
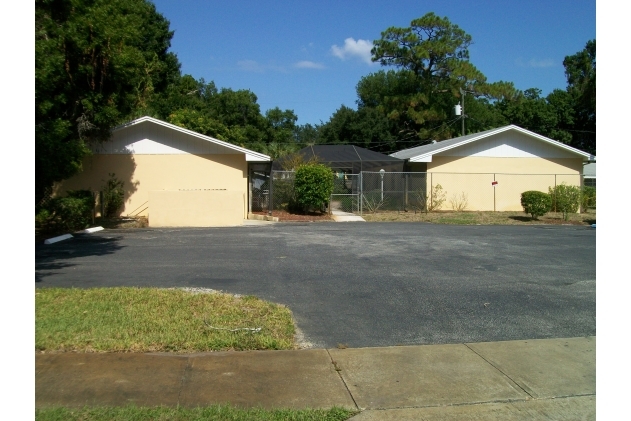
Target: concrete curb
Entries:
(58, 239)
(89, 230)
(257, 217)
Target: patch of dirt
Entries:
(284, 216)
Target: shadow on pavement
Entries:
(50, 258)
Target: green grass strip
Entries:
(214, 413)
(156, 320)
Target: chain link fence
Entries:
(370, 192)
(428, 192)
(345, 196)
(282, 189)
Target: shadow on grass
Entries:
(52, 258)
(522, 218)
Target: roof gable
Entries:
(148, 135)
(507, 141)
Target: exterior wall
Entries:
(196, 208)
(147, 173)
(474, 176)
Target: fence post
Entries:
(555, 192)
(407, 177)
(494, 194)
(270, 204)
(431, 189)
(361, 193)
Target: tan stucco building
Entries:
(492, 168)
(173, 176)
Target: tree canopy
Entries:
(96, 61)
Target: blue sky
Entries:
(308, 56)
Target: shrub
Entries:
(70, 213)
(459, 203)
(374, 201)
(313, 185)
(536, 203)
(588, 197)
(436, 200)
(565, 199)
(113, 195)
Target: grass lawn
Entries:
(481, 218)
(215, 413)
(156, 320)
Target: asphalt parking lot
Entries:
(361, 284)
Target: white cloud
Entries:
(541, 63)
(308, 65)
(360, 49)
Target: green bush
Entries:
(70, 213)
(113, 196)
(565, 199)
(588, 197)
(536, 203)
(313, 186)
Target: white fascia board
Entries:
(553, 142)
(253, 155)
(422, 158)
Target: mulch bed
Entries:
(284, 216)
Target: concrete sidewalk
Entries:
(541, 379)
(339, 216)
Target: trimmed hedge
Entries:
(536, 203)
(313, 186)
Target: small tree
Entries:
(566, 199)
(536, 203)
(313, 185)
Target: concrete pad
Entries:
(427, 375)
(267, 379)
(339, 216)
(348, 218)
(562, 409)
(545, 367)
(107, 379)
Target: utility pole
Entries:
(462, 108)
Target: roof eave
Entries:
(250, 155)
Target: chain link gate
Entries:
(345, 196)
